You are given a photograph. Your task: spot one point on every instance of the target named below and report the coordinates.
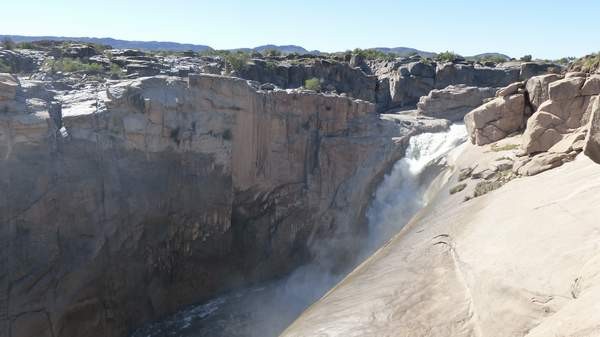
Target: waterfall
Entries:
(403, 192)
(266, 310)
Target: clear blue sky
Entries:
(546, 29)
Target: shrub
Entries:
(374, 54)
(5, 67)
(8, 43)
(506, 147)
(313, 84)
(26, 45)
(116, 71)
(447, 56)
(272, 52)
(526, 58)
(68, 65)
(237, 60)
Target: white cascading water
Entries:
(403, 192)
(266, 310)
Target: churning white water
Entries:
(403, 192)
(266, 310)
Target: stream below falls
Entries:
(266, 310)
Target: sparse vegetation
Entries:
(589, 63)
(492, 58)
(237, 60)
(313, 84)
(4, 67)
(526, 58)
(373, 54)
(506, 147)
(487, 186)
(8, 43)
(272, 52)
(116, 71)
(68, 65)
(457, 188)
(447, 56)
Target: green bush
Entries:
(272, 52)
(5, 67)
(373, 54)
(313, 84)
(26, 45)
(447, 56)
(68, 65)
(527, 58)
(8, 43)
(237, 60)
(116, 71)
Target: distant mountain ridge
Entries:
(115, 43)
(175, 46)
(405, 51)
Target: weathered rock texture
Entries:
(177, 190)
(565, 112)
(496, 119)
(453, 102)
(518, 261)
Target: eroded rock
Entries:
(453, 102)
(496, 119)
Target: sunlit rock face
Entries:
(160, 192)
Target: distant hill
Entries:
(487, 56)
(287, 49)
(405, 51)
(115, 43)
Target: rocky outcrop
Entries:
(537, 88)
(8, 91)
(566, 111)
(496, 119)
(165, 191)
(592, 140)
(453, 102)
(334, 76)
(475, 75)
(531, 69)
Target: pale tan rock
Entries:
(544, 162)
(519, 261)
(591, 86)
(592, 141)
(575, 74)
(537, 87)
(496, 119)
(8, 86)
(554, 120)
(565, 89)
(511, 89)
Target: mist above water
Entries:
(267, 310)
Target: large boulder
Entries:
(453, 102)
(8, 90)
(537, 88)
(592, 140)
(591, 86)
(565, 112)
(531, 69)
(474, 75)
(565, 89)
(496, 119)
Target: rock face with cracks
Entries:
(167, 191)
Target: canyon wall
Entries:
(165, 191)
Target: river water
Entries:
(266, 310)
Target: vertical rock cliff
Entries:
(161, 192)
